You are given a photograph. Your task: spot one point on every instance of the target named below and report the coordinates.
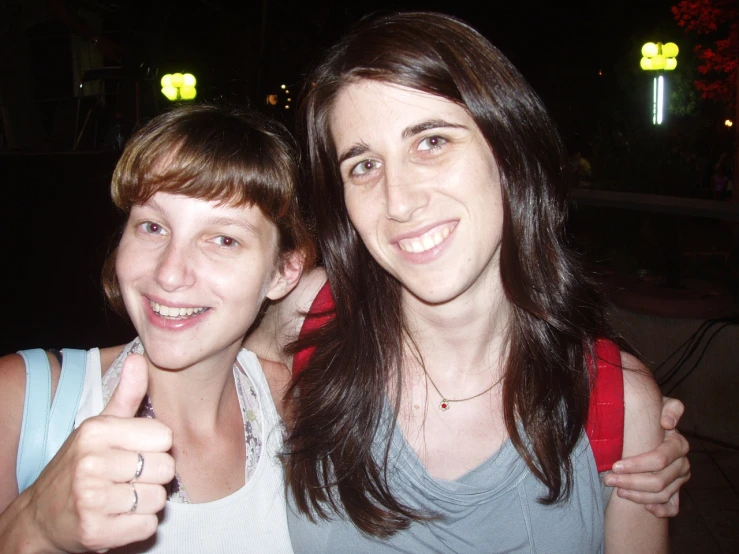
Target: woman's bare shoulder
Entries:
(643, 407)
(12, 388)
(13, 376)
(629, 528)
(12, 398)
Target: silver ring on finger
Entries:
(135, 503)
(139, 467)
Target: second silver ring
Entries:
(139, 467)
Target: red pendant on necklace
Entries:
(444, 405)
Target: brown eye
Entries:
(364, 167)
(432, 143)
(226, 241)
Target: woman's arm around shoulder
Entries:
(629, 528)
(278, 378)
(283, 320)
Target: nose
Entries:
(404, 194)
(175, 268)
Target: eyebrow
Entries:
(430, 124)
(231, 221)
(218, 220)
(360, 148)
(356, 150)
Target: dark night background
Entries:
(57, 221)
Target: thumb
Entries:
(131, 388)
(672, 411)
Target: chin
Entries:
(169, 361)
(169, 355)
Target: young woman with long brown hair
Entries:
(443, 405)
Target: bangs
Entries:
(208, 158)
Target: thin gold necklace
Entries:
(446, 402)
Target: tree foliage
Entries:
(716, 22)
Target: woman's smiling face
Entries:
(193, 275)
(421, 187)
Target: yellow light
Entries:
(179, 87)
(670, 50)
(659, 56)
(649, 50)
(287, 91)
(658, 62)
(287, 107)
(188, 93)
(272, 99)
(729, 123)
(170, 93)
(282, 87)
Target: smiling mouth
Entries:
(170, 312)
(428, 240)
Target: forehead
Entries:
(366, 110)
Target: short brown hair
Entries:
(235, 156)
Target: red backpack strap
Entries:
(318, 315)
(605, 425)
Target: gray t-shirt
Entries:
(493, 508)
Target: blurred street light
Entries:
(658, 57)
(179, 86)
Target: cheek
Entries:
(364, 211)
(125, 262)
(245, 283)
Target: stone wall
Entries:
(711, 392)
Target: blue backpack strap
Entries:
(66, 400)
(35, 423)
(45, 427)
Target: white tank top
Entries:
(250, 520)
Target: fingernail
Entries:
(610, 481)
(671, 421)
(623, 493)
(618, 466)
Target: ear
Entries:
(287, 275)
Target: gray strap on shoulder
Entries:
(46, 426)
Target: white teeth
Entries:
(167, 311)
(425, 242)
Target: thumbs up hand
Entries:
(105, 486)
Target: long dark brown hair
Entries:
(555, 312)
